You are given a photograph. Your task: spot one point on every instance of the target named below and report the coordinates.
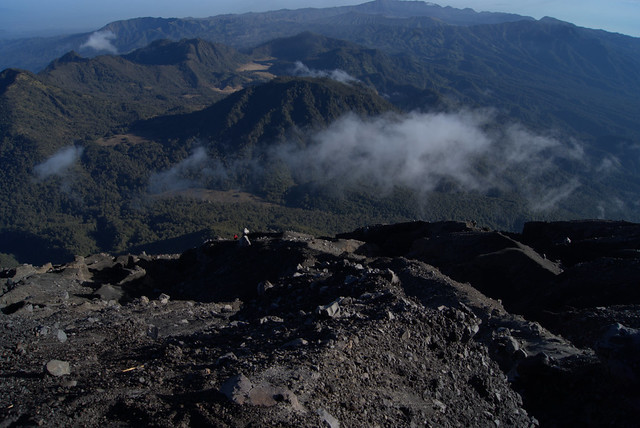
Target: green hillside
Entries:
(323, 121)
(184, 75)
(102, 201)
(240, 31)
(263, 113)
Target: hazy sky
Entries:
(621, 16)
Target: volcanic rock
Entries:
(58, 368)
(413, 324)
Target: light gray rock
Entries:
(326, 419)
(108, 292)
(237, 388)
(331, 310)
(164, 298)
(58, 368)
(136, 273)
(229, 356)
(240, 390)
(22, 272)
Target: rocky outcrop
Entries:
(412, 324)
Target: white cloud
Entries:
(340, 75)
(423, 150)
(471, 149)
(59, 163)
(197, 170)
(101, 41)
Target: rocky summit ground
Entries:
(413, 324)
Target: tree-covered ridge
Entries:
(165, 75)
(267, 112)
(101, 200)
(52, 117)
(240, 31)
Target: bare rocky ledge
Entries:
(413, 324)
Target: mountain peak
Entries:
(68, 58)
(270, 110)
(168, 52)
(7, 78)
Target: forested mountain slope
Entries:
(316, 119)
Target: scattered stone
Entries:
(440, 405)
(133, 274)
(331, 310)
(406, 349)
(58, 368)
(511, 345)
(164, 298)
(240, 390)
(22, 272)
(229, 356)
(237, 389)
(108, 292)
(21, 349)
(296, 343)
(350, 279)
(69, 383)
(391, 276)
(62, 336)
(152, 331)
(327, 420)
(270, 318)
(263, 287)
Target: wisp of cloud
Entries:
(101, 41)
(418, 151)
(197, 170)
(422, 150)
(342, 76)
(59, 163)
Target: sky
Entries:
(30, 16)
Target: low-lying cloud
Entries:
(59, 163)
(421, 151)
(470, 150)
(197, 170)
(101, 41)
(342, 76)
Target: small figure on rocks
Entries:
(244, 241)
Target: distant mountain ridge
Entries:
(240, 31)
(190, 72)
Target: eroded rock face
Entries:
(389, 326)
